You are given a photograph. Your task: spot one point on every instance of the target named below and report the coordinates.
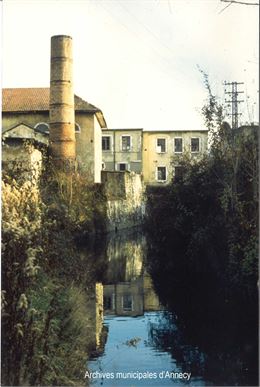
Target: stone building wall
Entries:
(22, 161)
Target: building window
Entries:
(161, 145)
(106, 143)
(161, 173)
(178, 172)
(42, 127)
(122, 166)
(109, 302)
(77, 128)
(195, 145)
(126, 143)
(178, 145)
(127, 302)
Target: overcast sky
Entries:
(137, 60)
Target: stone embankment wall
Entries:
(95, 315)
(124, 192)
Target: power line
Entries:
(230, 2)
(238, 2)
(159, 55)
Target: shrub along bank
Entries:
(203, 241)
(47, 279)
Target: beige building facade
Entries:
(30, 107)
(153, 154)
(162, 151)
(122, 149)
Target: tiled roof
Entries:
(36, 99)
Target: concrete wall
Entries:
(125, 199)
(153, 158)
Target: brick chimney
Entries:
(62, 114)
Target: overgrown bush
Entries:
(203, 242)
(47, 279)
(203, 258)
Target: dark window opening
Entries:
(161, 173)
(126, 143)
(107, 302)
(178, 172)
(195, 145)
(127, 302)
(42, 127)
(122, 167)
(106, 143)
(178, 145)
(161, 145)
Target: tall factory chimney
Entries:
(62, 115)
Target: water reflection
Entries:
(126, 254)
(129, 353)
(132, 333)
(137, 326)
(164, 334)
(128, 290)
(130, 298)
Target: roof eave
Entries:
(92, 111)
(101, 119)
(24, 111)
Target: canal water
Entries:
(140, 343)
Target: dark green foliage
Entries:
(47, 279)
(208, 220)
(203, 245)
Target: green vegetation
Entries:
(203, 242)
(47, 279)
(208, 217)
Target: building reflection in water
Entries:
(128, 290)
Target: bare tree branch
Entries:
(237, 2)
